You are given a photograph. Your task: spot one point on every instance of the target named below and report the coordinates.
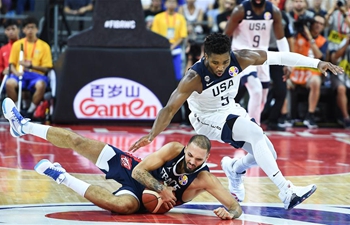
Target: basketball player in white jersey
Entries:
(210, 87)
(250, 26)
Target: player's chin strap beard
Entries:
(260, 5)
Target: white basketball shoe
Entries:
(53, 170)
(15, 119)
(292, 195)
(235, 180)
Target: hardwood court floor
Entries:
(319, 156)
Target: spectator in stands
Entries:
(212, 15)
(223, 17)
(173, 26)
(194, 18)
(299, 11)
(311, 43)
(37, 61)
(78, 7)
(12, 34)
(22, 4)
(317, 8)
(154, 9)
(339, 29)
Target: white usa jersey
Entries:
(218, 92)
(254, 31)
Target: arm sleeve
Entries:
(290, 59)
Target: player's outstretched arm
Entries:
(235, 18)
(212, 185)
(190, 83)
(259, 57)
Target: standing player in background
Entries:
(12, 34)
(250, 27)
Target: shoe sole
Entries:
(298, 200)
(36, 167)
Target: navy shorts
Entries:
(120, 169)
(29, 79)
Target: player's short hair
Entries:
(30, 20)
(10, 22)
(201, 141)
(217, 43)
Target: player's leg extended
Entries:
(246, 130)
(100, 196)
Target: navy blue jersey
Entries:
(122, 164)
(180, 182)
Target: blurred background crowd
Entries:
(316, 28)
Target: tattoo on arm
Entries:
(147, 180)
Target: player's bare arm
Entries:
(246, 57)
(236, 17)
(277, 23)
(190, 82)
(152, 162)
(212, 185)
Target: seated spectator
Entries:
(340, 83)
(310, 43)
(154, 9)
(37, 61)
(78, 7)
(12, 34)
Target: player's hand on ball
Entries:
(168, 197)
(223, 214)
(145, 140)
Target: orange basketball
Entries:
(153, 203)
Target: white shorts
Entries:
(263, 72)
(211, 124)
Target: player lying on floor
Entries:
(182, 168)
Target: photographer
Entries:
(309, 42)
(300, 15)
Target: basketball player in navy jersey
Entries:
(250, 27)
(210, 87)
(182, 168)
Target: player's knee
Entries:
(341, 89)
(125, 206)
(75, 139)
(11, 83)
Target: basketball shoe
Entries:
(292, 195)
(235, 180)
(14, 117)
(53, 170)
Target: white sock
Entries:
(244, 163)
(35, 129)
(75, 184)
(31, 108)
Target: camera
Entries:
(301, 22)
(340, 3)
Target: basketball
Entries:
(153, 203)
